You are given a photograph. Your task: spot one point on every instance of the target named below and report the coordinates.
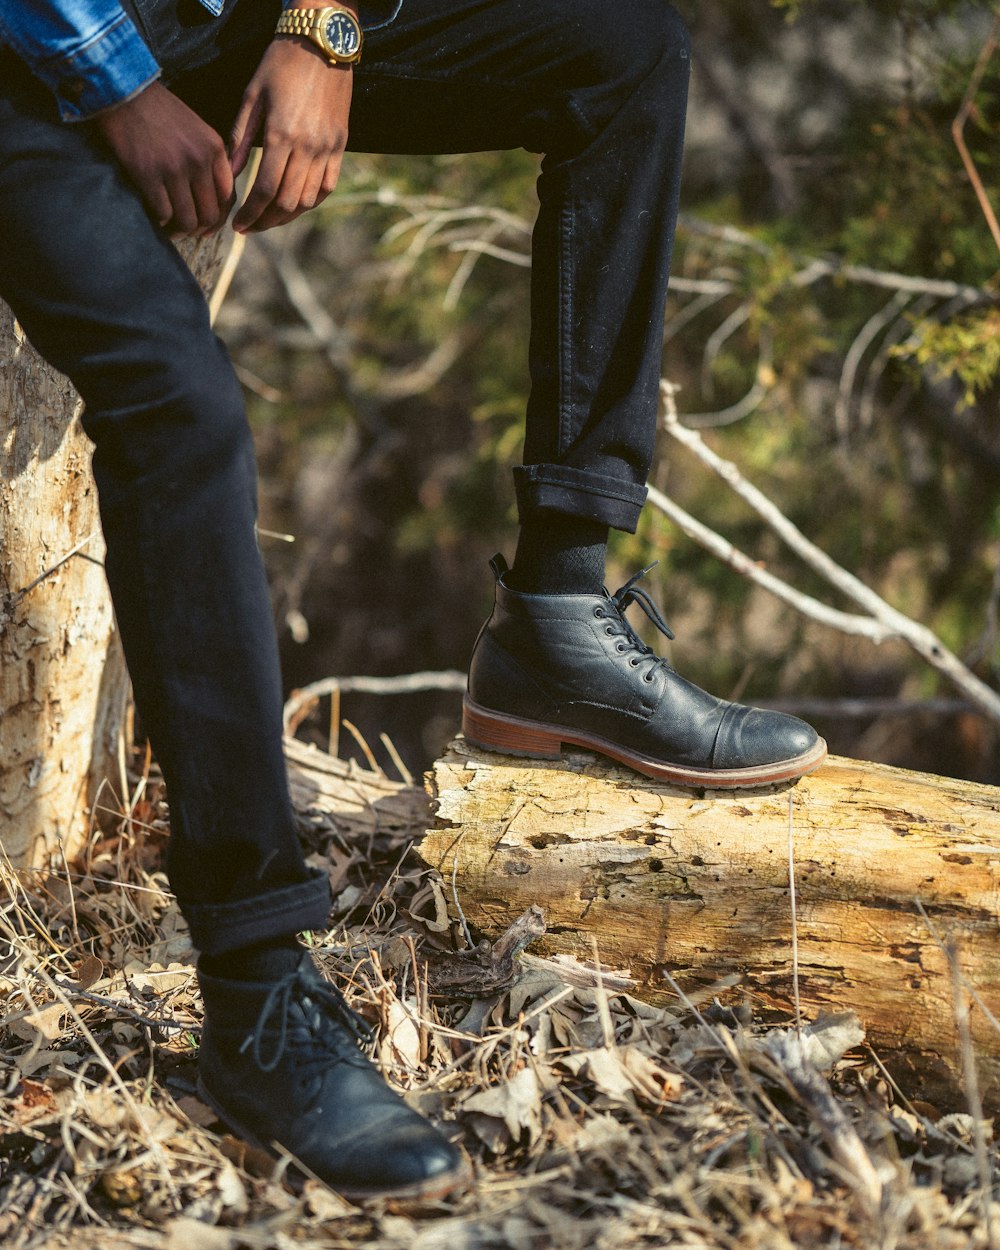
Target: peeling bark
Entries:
(670, 881)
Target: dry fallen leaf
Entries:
(516, 1103)
(828, 1038)
(624, 1073)
(43, 1025)
(402, 1037)
(89, 971)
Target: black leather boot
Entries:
(554, 669)
(280, 1064)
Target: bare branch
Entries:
(340, 349)
(817, 268)
(896, 333)
(722, 549)
(410, 683)
(921, 639)
(716, 341)
(870, 331)
(521, 259)
(706, 299)
(337, 344)
(958, 127)
(425, 375)
(435, 212)
(744, 120)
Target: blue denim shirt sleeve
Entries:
(90, 55)
(87, 52)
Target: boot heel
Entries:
(506, 734)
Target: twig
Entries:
(958, 128)
(521, 259)
(337, 344)
(601, 998)
(795, 921)
(454, 892)
(842, 708)
(473, 253)
(409, 683)
(156, 1150)
(970, 1075)
(359, 738)
(987, 642)
(18, 595)
(896, 334)
(167, 1025)
(715, 341)
(397, 760)
(730, 94)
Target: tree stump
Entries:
(63, 685)
(897, 877)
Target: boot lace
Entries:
(325, 1026)
(617, 624)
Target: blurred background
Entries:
(832, 330)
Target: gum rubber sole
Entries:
(431, 1190)
(511, 735)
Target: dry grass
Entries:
(593, 1120)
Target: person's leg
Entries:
(603, 96)
(105, 297)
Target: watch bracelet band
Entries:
(296, 22)
(302, 22)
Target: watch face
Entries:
(340, 31)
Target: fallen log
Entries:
(897, 877)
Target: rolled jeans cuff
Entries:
(220, 927)
(561, 488)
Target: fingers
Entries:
(244, 132)
(198, 204)
(201, 194)
(288, 183)
(157, 199)
(176, 161)
(299, 107)
(191, 194)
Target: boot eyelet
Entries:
(621, 648)
(609, 630)
(599, 612)
(648, 678)
(633, 662)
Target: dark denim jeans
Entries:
(102, 294)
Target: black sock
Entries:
(559, 554)
(265, 961)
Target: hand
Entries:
(298, 104)
(177, 162)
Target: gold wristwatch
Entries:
(334, 31)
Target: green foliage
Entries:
(966, 349)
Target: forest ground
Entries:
(591, 1119)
